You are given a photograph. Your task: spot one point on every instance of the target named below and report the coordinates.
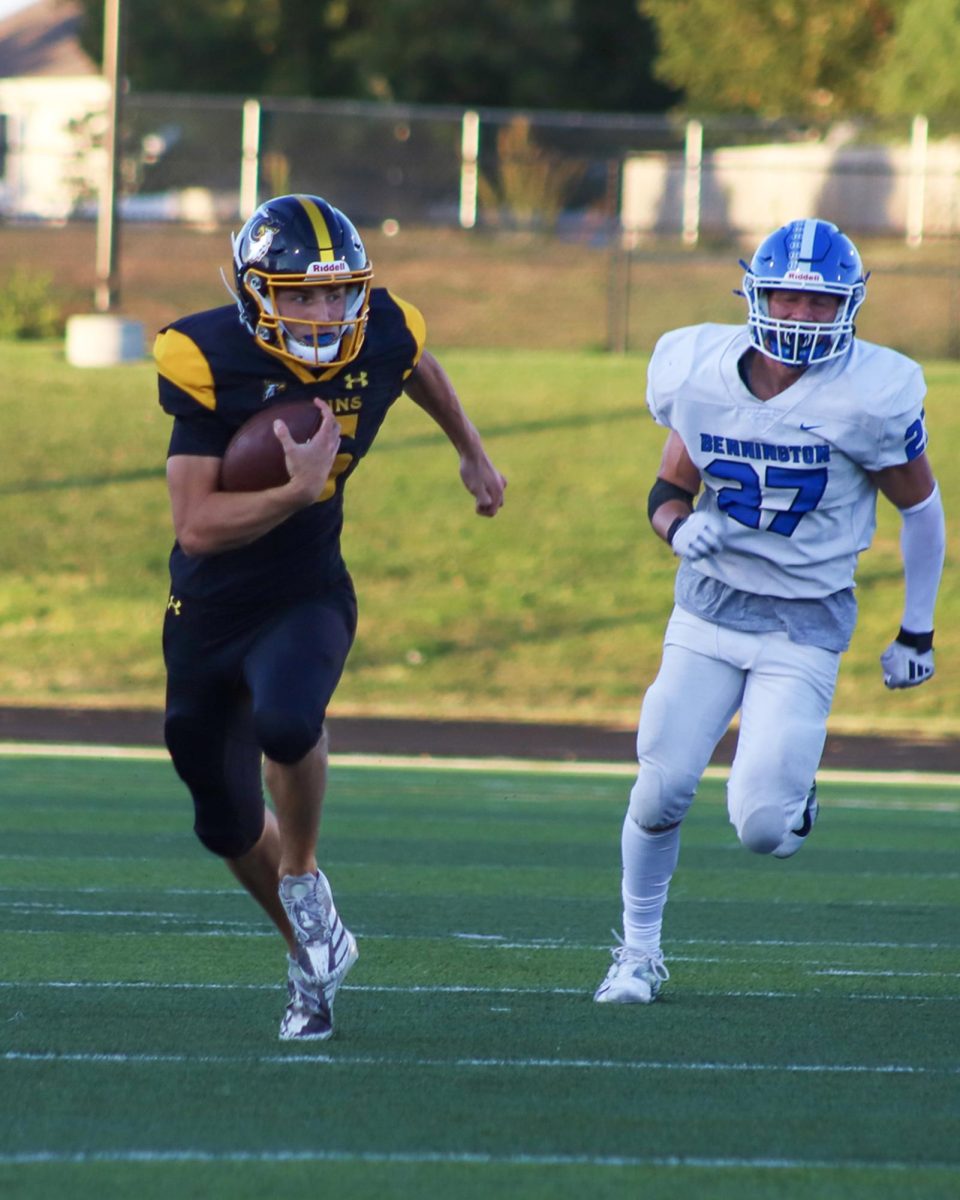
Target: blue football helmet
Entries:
(301, 241)
(804, 256)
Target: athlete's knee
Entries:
(286, 736)
(762, 829)
(659, 799)
(226, 835)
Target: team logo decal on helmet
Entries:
(301, 242)
(804, 256)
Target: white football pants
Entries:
(783, 692)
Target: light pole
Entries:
(103, 338)
(107, 293)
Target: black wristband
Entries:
(671, 532)
(921, 642)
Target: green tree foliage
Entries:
(561, 54)
(919, 72)
(243, 47)
(613, 69)
(804, 58)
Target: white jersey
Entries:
(789, 473)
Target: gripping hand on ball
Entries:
(695, 537)
(309, 463)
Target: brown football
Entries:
(253, 459)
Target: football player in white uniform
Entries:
(787, 428)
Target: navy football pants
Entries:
(238, 688)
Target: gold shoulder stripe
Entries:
(181, 360)
(415, 323)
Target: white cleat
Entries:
(635, 977)
(326, 952)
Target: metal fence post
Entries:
(692, 173)
(250, 160)
(469, 169)
(918, 178)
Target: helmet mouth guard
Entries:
(804, 256)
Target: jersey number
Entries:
(743, 503)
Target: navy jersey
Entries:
(213, 377)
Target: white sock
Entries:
(649, 860)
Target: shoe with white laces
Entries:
(635, 977)
(795, 838)
(325, 953)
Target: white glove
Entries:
(695, 537)
(905, 667)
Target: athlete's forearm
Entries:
(430, 388)
(228, 520)
(209, 521)
(923, 547)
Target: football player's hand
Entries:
(309, 463)
(484, 482)
(906, 666)
(696, 537)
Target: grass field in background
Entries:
(487, 290)
(805, 1046)
(554, 610)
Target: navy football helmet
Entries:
(804, 256)
(301, 241)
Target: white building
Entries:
(52, 98)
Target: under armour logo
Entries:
(352, 381)
(173, 605)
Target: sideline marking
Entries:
(519, 766)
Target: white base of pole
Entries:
(102, 340)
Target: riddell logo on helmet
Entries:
(804, 276)
(328, 268)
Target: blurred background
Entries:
(491, 149)
(554, 183)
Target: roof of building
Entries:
(44, 39)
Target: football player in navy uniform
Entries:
(262, 613)
(789, 427)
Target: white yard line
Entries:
(467, 990)
(438, 1157)
(457, 1064)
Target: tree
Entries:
(244, 47)
(919, 68)
(612, 71)
(563, 54)
(774, 58)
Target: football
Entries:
(253, 459)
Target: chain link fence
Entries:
(665, 206)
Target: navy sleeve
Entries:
(200, 433)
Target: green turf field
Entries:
(806, 1045)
